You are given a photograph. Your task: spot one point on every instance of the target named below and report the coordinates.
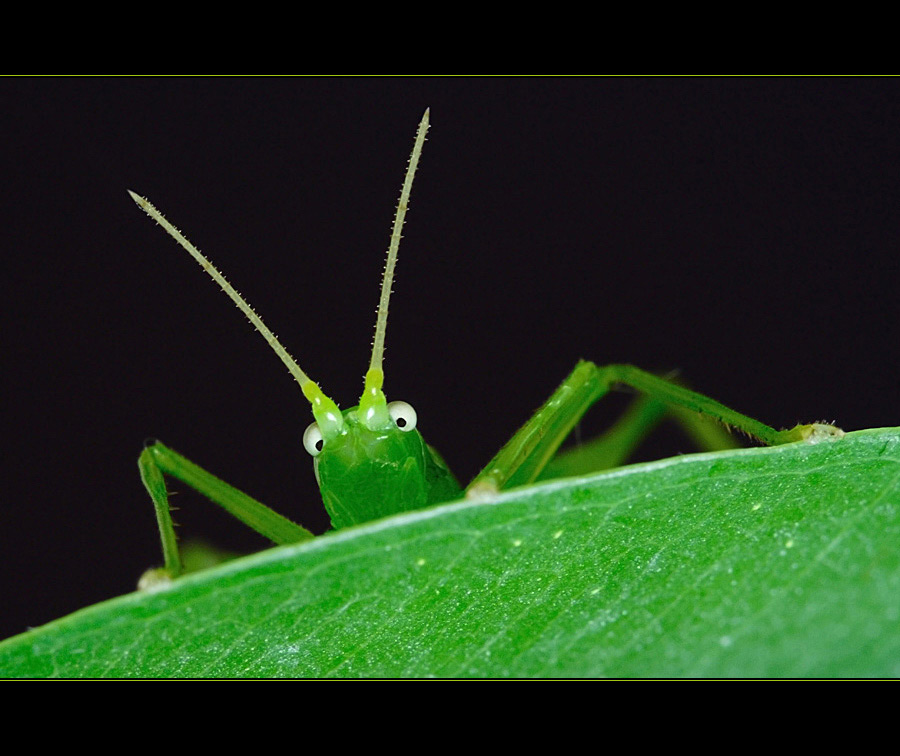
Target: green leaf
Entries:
(761, 562)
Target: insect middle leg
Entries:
(616, 445)
(527, 454)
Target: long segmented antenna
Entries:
(372, 403)
(327, 415)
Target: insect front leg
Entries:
(157, 460)
(528, 453)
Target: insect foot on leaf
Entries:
(155, 579)
(816, 433)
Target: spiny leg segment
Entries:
(157, 459)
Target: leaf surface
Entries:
(760, 562)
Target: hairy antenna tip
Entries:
(141, 202)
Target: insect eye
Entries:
(403, 414)
(312, 439)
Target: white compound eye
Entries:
(312, 439)
(403, 414)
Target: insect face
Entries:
(364, 473)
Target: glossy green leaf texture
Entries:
(781, 562)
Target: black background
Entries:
(745, 231)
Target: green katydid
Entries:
(371, 461)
